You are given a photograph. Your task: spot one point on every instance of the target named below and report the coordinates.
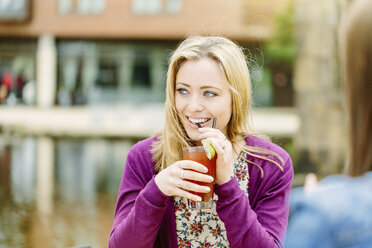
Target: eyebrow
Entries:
(203, 87)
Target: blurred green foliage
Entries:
(280, 48)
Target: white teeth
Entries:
(197, 120)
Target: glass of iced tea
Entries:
(197, 154)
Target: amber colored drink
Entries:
(197, 154)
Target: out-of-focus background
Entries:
(82, 80)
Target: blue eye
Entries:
(209, 94)
(182, 91)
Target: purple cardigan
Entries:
(144, 216)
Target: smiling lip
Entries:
(198, 122)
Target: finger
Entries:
(192, 165)
(217, 146)
(223, 143)
(196, 176)
(207, 129)
(186, 194)
(190, 186)
(182, 188)
(211, 132)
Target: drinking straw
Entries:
(213, 124)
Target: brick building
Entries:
(114, 53)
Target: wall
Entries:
(240, 19)
(321, 138)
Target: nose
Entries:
(196, 104)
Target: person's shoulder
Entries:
(142, 149)
(144, 145)
(335, 194)
(139, 159)
(256, 141)
(349, 187)
(265, 144)
(267, 171)
(343, 203)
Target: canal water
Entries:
(58, 192)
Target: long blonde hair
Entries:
(356, 44)
(230, 57)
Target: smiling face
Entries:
(202, 92)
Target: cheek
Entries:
(180, 104)
(223, 106)
(177, 104)
(224, 113)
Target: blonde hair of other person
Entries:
(356, 34)
(230, 57)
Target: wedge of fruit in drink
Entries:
(208, 148)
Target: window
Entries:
(146, 6)
(14, 10)
(107, 73)
(81, 6)
(152, 7)
(17, 71)
(141, 70)
(272, 86)
(174, 6)
(103, 72)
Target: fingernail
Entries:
(207, 189)
(198, 198)
(211, 179)
(205, 169)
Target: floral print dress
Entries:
(203, 228)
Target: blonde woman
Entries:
(207, 78)
(337, 212)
